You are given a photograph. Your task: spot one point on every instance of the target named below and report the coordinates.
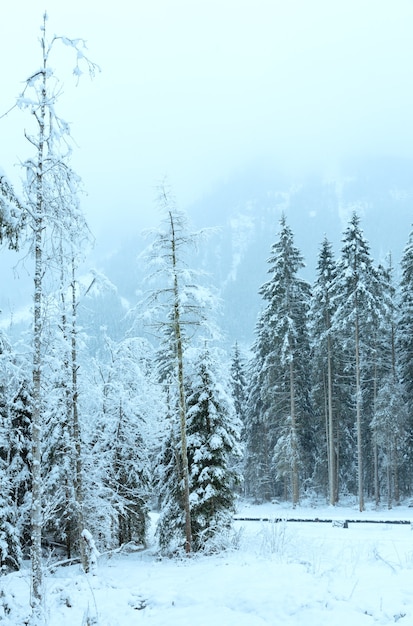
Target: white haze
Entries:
(200, 89)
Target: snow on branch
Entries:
(11, 213)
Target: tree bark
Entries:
(181, 389)
(36, 509)
(333, 482)
(78, 476)
(294, 468)
(358, 417)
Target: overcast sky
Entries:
(199, 89)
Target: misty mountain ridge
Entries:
(381, 193)
(245, 213)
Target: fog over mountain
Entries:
(248, 211)
(245, 212)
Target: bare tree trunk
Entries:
(36, 510)
(67, 425)
(294, 468)
(375, 446)
(327, 435)
(376, 471)
(389, 476)
(181, 379)
(264, 485)
(395, 473)
(38, 225)
(358, 418)
(332, 464)
(395, 456)
(78, 476)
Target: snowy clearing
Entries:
(298, 573)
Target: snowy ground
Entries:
(289, 573)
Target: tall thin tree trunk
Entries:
(337, 468)
(376, 471)
(395, 456)
(265, 486)
(332, 464)
(389, 476)
(358, 417)
(78, 477)
(327, 435)
(36, 509)
(375, 446)
(181, 386)
(294, 467)
(395, 473)
(66, 426)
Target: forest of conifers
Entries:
(321, 405)
(329, 401)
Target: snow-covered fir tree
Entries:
(386, 383)
(166, 253)
(214, 431)
(213, 440)
(325, 372)
(58, 453)
(12, 214)
(358, 305)
(279, 398)
(404, 338)
(389, 431)
(171, 524)
(176, 307)
(259, 479)
(12, 476)
(15, 470)
(239, 390)
(238, 382)
(10, 547)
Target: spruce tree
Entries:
(213, 441)
(404, 346)
(383, 369)
(58, 465)
(260, 436)
(324, 361)
(238, 383)
(12, 214)
(177, 308)
(170, 244)
(357, 303)
(389, 430)
(171, 524)
(15, 460)
(10, 543)
(279, 400)
(405, 323)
